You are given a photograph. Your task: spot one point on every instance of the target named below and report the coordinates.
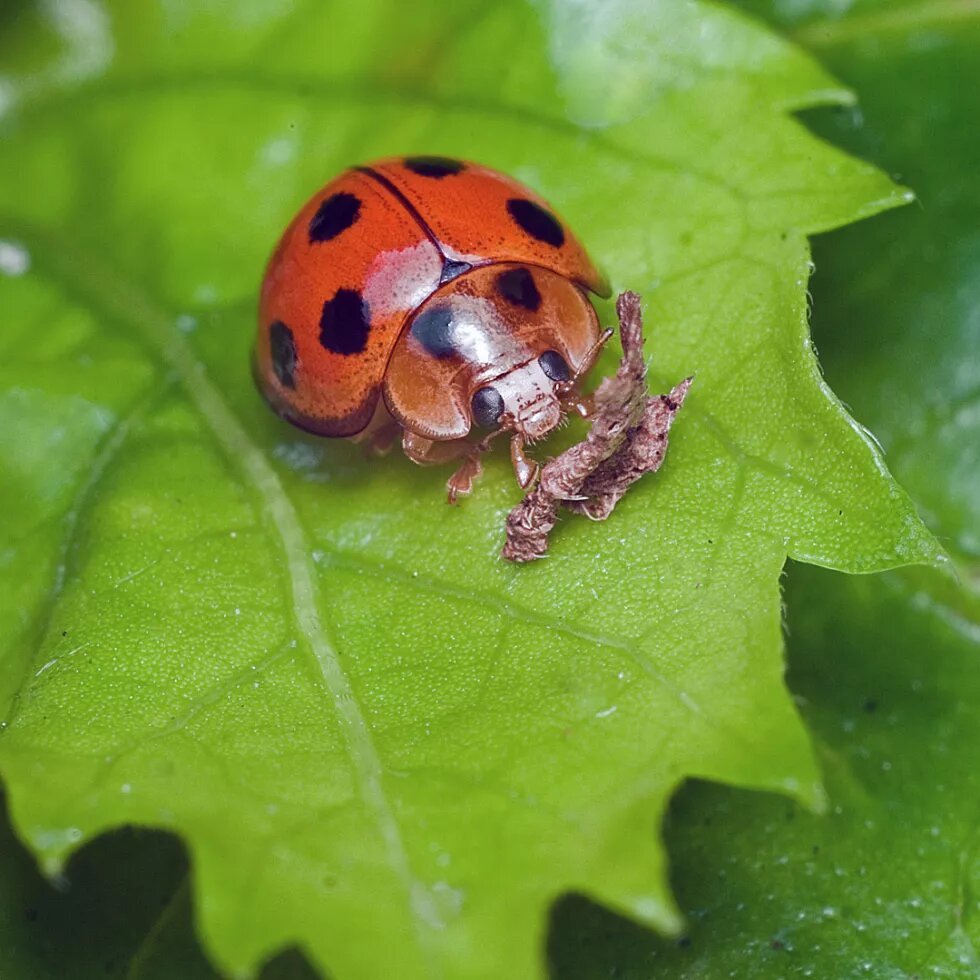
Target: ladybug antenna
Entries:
(591, 356)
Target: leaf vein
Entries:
(110, 448)
(511, 610)
(111, 294)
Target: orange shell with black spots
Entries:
(365, 253)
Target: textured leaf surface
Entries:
(887, 670)
(885, 884)
(376, 739)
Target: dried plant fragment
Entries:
(628, 438)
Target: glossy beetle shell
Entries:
(382, 246)
(474, 329)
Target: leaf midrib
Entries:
(113, 295)
(92, 280)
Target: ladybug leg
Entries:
(525, 469)
(462, 480)
(430, 452)
(378, 438)
(382, 440)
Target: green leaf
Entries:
(119, 888)
(121, 911)
(378, 741)
(883, 886)
(885, 670)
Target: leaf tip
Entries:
(919, 546)
(892, 196)
(656, 912)
(53, 868)
(941, 560)
(811, 795)
(54, 847)
(827, 92)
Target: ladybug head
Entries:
(527, 399)
(498, 349)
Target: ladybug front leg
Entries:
(462, 480)
(430, 452)
(526, 470)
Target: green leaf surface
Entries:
(378, 741)
(883, 886)
(122, 910)
(909, 281)
(885, 671)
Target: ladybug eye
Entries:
(488, 406)
(554, 365)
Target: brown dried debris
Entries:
(628, 438)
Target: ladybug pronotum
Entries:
(433, 298)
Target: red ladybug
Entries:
(428, 296)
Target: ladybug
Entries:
(434, 299)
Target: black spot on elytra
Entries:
(437, 167)
(282, 347)
(536, 221)
(345, 323)
(433, 329)
(451, 269)
(517, 286)
(334, 215)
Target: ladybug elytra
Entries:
(433, 298)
